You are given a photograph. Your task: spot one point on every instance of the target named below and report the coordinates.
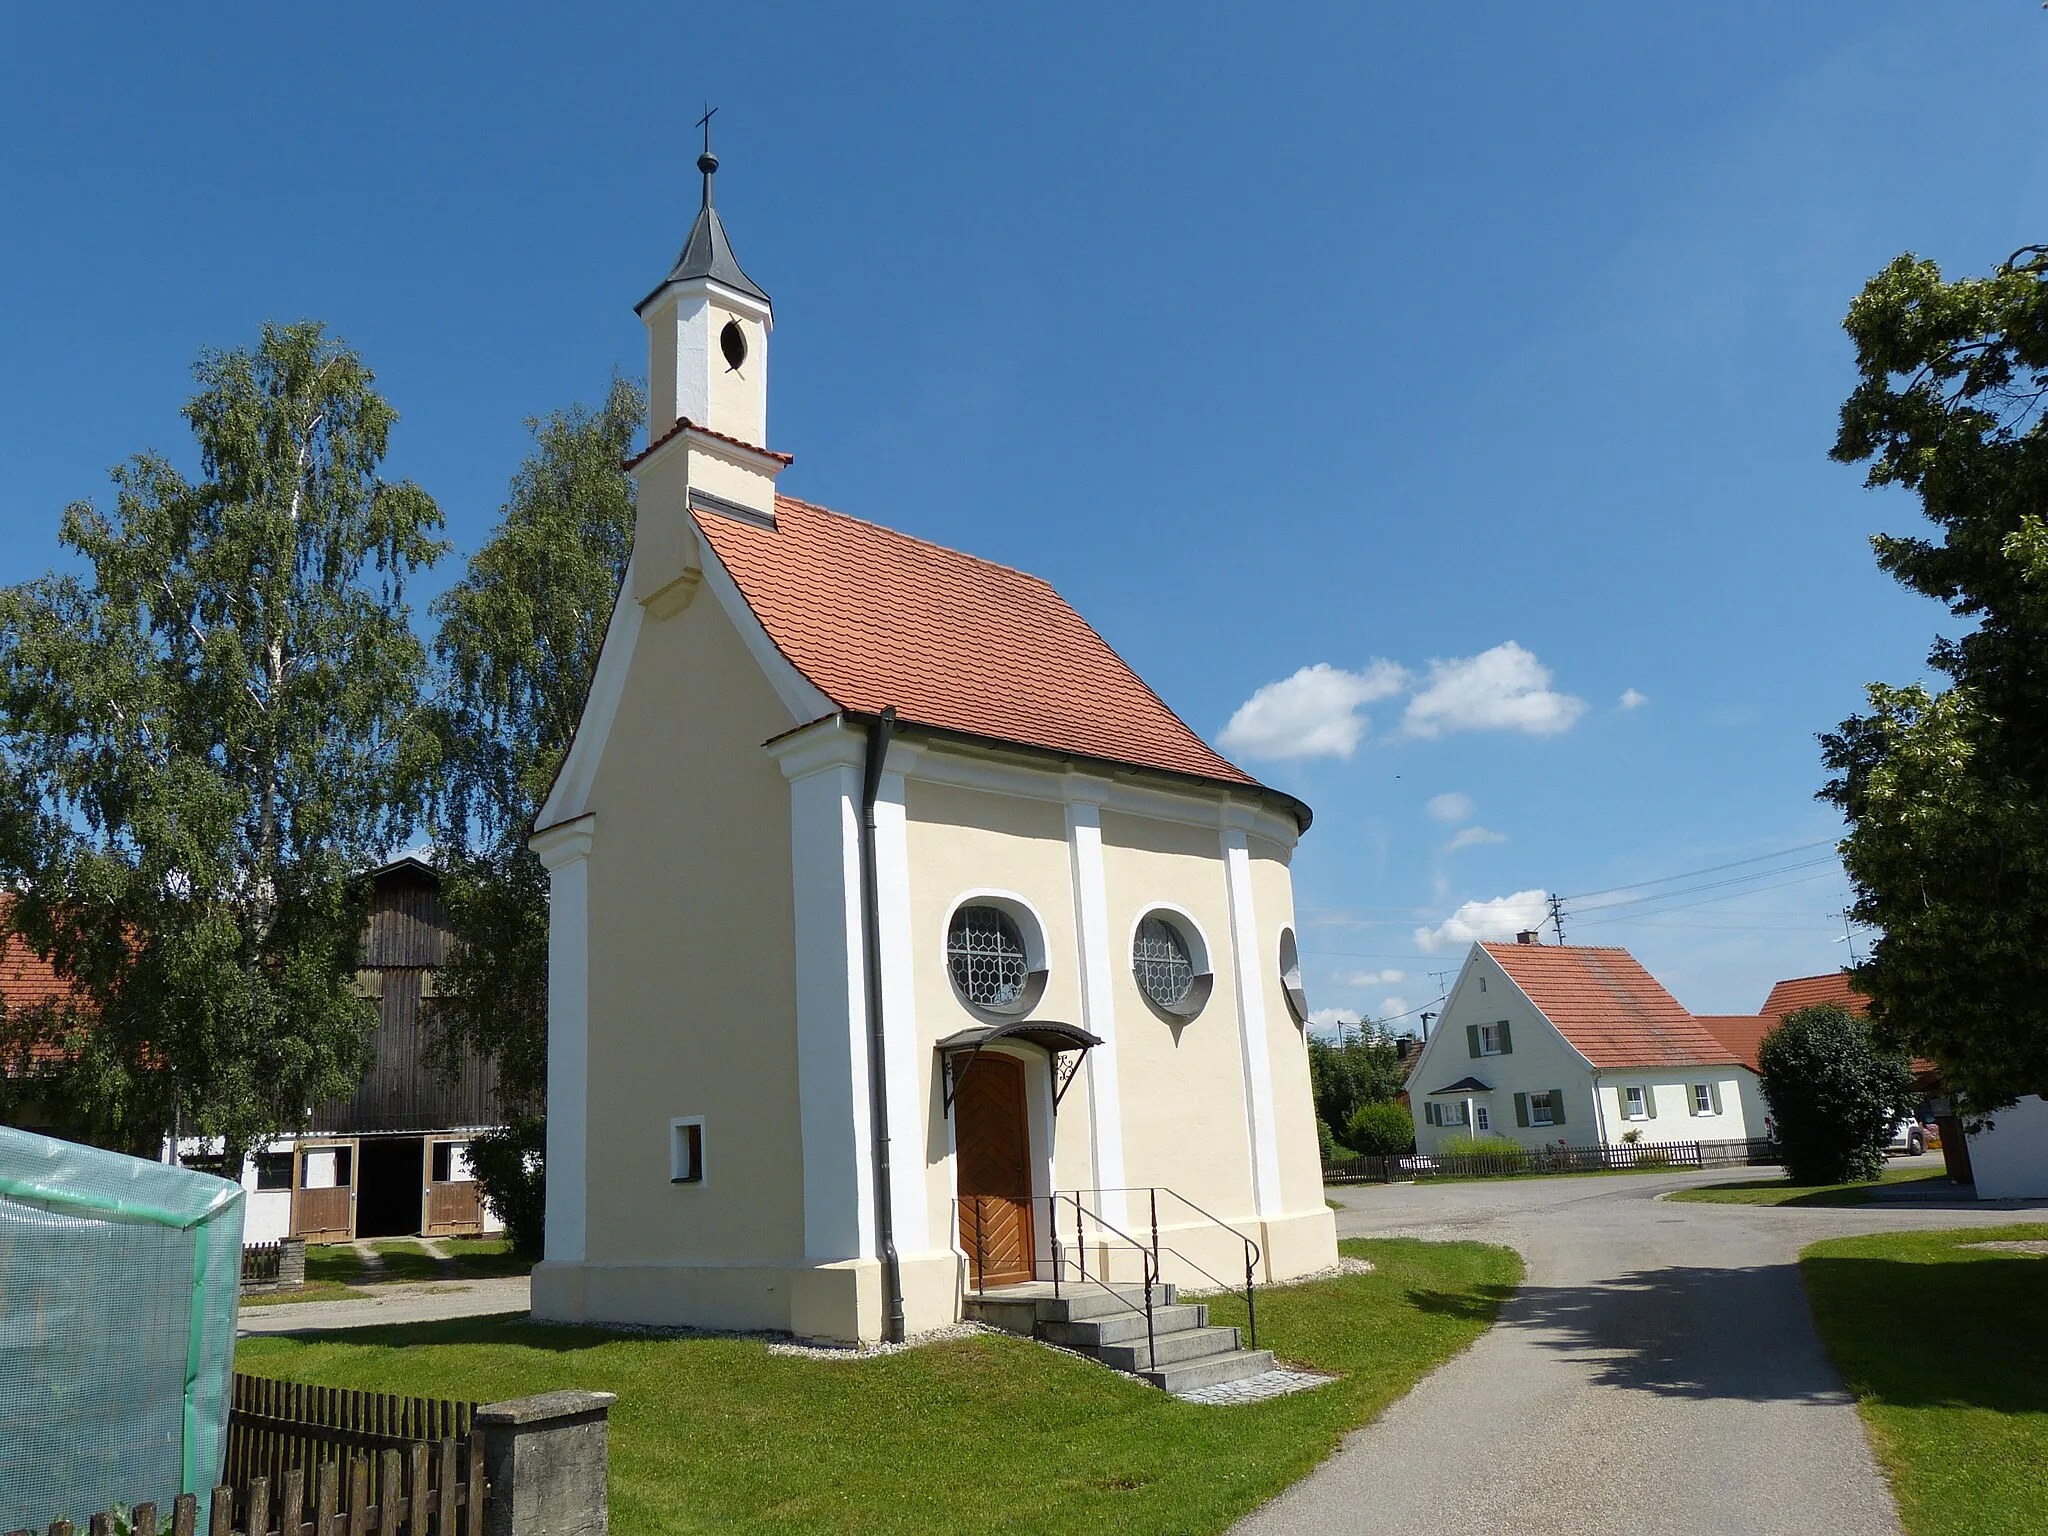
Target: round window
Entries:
(985, 953)
(1165, 968)
(732, 341)
(1290, 977)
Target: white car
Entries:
(1909, 1140)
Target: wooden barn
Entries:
(392, 1160)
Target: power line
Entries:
(1635, 917)
(1714, 885)
(1711, 869)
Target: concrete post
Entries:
(291, 1264)
(546, 1459)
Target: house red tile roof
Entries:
(1741, 1033)
(873, 618)
(1814, 991)
(1611, 1009)
(27, 980)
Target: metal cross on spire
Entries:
(707, 162)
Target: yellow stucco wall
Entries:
(692, 994)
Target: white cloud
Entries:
(1333, 1018)
(1504, 689)
(1314, 713)
(1630, 699)
(1451, 805)
(1470, 836)
(1393, 1007)
(1368, 978)
(1501, 918)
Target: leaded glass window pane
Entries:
(985, 952)
(1160, 957)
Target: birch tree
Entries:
(208, 733)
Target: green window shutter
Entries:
(1507, 1040)
(1522, 1110)
(1714, 1094)
(1557, 1106)
(1472, 1040)
(1429, 1113)
(1650, 1100)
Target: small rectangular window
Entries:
(686, 1150)
(326, 1168)
(1540, 1112)
(1480, 1119)
(1637, 1109)
(451, 1162)
(273, 1170)
(1489, 1039)
(1702, 1099)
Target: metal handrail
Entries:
(1252, 1251)
(1149, 1257)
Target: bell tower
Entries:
(707, 405)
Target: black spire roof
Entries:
(707, 253)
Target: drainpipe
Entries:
(880, 729)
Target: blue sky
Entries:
(1367, 334)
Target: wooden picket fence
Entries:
(321, 1461)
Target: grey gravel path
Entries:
(1657, 1374)
(423, 1303)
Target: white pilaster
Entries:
(1248, 964)
(565, 851)
(832, 1057)
(900, 1054)
(1098, 1007)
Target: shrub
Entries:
(1462, 1145)
(1385, 1129)
(1833, 1095)
(511, 1170)
(1331, 1150)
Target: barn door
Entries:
(993, 1141)
(450, 1207)
(324, 1191)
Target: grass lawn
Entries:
(977, 1434)
(1946, 1349)
(469, 1258)
(312, 1290)
(1778, 1192)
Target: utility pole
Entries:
(1849, 937)
(1557, 916)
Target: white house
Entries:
(892, 916)
(1545, 1043)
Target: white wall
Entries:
(2010, 1160)
(1669, 1091)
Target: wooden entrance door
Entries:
(450, 1207)
(324, 1192)
(993, 1143)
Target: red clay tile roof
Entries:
(1610, 1008)
(873, 618)
(1742, 1033)
(1812, 992)
(26, 980)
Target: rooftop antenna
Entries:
(707, 162)
(1557, 916)
(1848, 933)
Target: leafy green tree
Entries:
(1834, 1094)
(205, 741)
(1383, 1128)
(1946, 792)
(518, 643)
(1359, 1070)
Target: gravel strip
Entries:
(869, 1351)
(1255, 1389)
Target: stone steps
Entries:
(1108, 1324)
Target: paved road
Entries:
(390, 1304)
(1657, 1375)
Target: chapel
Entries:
(904, 947)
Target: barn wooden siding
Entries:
(405, 939)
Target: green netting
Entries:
(118, 1286)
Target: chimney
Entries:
(1526, 936)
